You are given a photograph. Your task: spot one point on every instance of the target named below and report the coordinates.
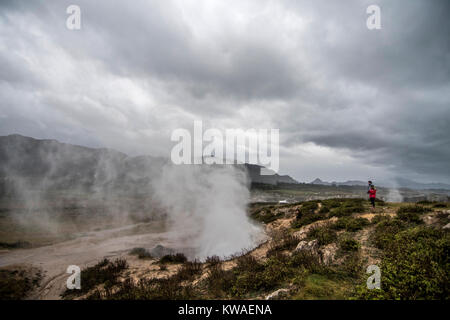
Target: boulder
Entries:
(328, 253)
(311, 246)
(300, 234)
(280, 293)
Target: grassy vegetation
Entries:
(252, 277)
(16, 284)
(173, 258)
(440, 205)
(218, 282)
(424, 202)
(350, 224)
(105, 272)
(386, 230)
(282, 241)
(188, 270)
(412, 213)
(323, 234)
(307, 214)
(414, 208)
(310, 212)
(169, 288)
(415, 265)
(347, 208)
(323, 287)
(265, 215)
(147, 289)
(433, 204)
(349, 244)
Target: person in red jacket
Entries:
(372, 195)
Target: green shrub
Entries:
(286, 241)
(343, 207)
(266, 215)
(148, 289)
(324, 209)
(308, 261)
(357, 224)
(346, 211)
(213, 260)
(409, 217)
(424, 202)
(104, 272)
(350, 224)
(188, 270)
(324, 234)
(413, 209)
(352, 267)
(248, 263)
(385, 232)
(331, 203)
(414, 266)
(341, 202)
(17, 284)
(173, 258)
(348, 244)
(307, 208)
(379, 218)
(266, 277)
(307, 219)
(219, 282)
(307, 214)
(331, 207)
(169, 288)
(341, 223)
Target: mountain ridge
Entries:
(62, 165)
(396, 183)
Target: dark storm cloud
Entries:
(405, 122)
(312, 69)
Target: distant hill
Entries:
(52, 165)
(406, 183)
(257, 176)
(397, 183)
(345, 183)
(318, 181)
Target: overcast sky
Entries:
(350, 103)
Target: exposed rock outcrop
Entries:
(328, 253)
(311, 246)
(280, 293)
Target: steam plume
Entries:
(207, 205)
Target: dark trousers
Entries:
(372, 201)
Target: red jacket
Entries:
(372, 193)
